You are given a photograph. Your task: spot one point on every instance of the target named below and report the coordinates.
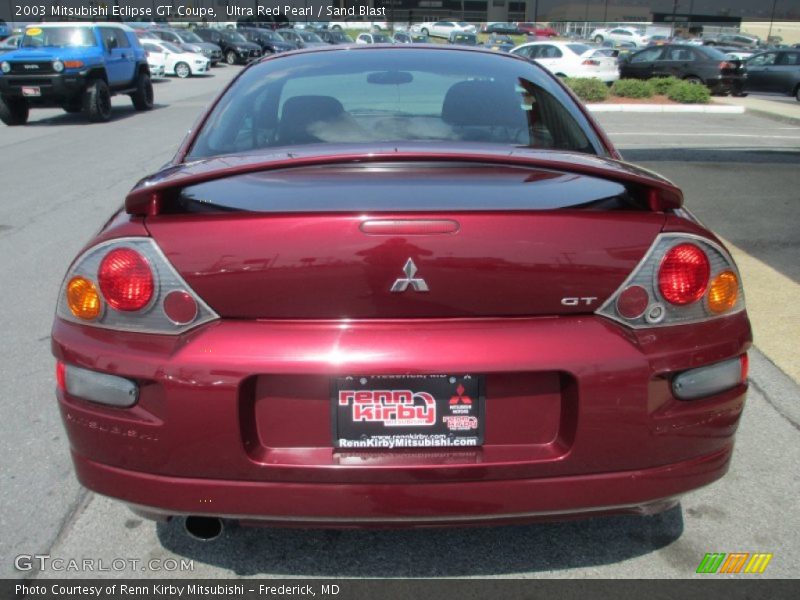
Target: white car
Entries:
(176, 60)
(374, 38)
(443, 29)
(571, 59)
(620, 34)
(156, 60)
(359, 25)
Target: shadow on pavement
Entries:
(713, 155)
(118, 113)
(452, 552)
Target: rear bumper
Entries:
(727, 83)
(646, 491)
(234, 419)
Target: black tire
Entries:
(13, 111)
(598, 39)
(183, 70)
(797, 93)
(230, 57)
(97, 102)
(142, 98)
(693, 80)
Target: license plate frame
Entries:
(388, 412)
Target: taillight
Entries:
(128, 284)
(727, 65)
(126, 279)
(591, 63)
(683, 275)
(683, 278)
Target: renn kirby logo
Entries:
(735, 562)
(393, 408)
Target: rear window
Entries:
(376, 96)
(711, 53)
(579, 49)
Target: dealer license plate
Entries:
(31, 91)
(407, 411)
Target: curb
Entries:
(667, 108)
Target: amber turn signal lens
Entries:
(723, 292)
(83, 299)
(73, 64)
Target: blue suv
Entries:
(77, 66)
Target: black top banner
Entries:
(266, 11)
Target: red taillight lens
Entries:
(683, 275)
(126, 279)
(727, 65)
(591, 63)
(745, 367)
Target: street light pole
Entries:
(771, 20)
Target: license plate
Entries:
(31, 91)
(407, 411)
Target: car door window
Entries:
(122, 39)
(678, 55)
(549, 52)
(646, 55)
(788, 59)
(763, 60)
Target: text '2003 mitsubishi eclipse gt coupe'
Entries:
(400, 285)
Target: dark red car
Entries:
(536, 29)
(409, 285)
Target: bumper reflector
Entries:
(710, 380)
(100, 387)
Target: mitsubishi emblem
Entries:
(401, 284)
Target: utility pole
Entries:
(771, 20)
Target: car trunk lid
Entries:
(329, 242)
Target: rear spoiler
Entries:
(153, 195)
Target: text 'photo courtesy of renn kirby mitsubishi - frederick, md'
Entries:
(405, 298)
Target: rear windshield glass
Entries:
(394, 95)
(711, 53)
(579, 49)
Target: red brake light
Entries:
(591, 63)
(126, 279)
(683, 275)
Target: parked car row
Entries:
(776, 71)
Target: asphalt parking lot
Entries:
(61, 180)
